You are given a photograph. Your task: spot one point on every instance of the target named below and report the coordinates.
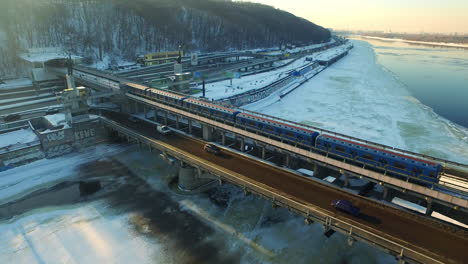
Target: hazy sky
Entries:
(445, 16)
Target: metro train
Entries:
(392, 163)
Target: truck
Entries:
(346, 206)
(163, 129)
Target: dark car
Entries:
(346, 206)
(211, 148)
(133, 119)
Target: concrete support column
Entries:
(346, 180)
(263, 152)
(165, 117)
(187, 177)
(429, 206)
(242, 145)
(207, 133)
(190, 126)
(385, 193)
(145, 110)
(155, 117)
(177, 122)
(223, 138)
(287, 160)
(321, 172)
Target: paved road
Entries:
(441, 241)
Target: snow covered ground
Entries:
(19, 181)
(56, 119)
(223, 89)
(358, 97)
(17, 83)
(22, 136)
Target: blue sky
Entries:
(396, 15)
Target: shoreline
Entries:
(441, 44)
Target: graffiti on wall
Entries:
(56, 136)
(84, 134)
(59, 150)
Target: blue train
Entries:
(395, 164)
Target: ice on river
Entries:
(358, 97)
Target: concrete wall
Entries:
(64, 141)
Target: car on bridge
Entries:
(211, 148)
(346, 206)
(163, 130)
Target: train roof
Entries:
(144, 87)
(382, 150)
(279, 123)
(210, 104)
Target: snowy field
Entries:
(223, 89)
(22, 136)
(358, 97)
(137, 218)
(16, 83)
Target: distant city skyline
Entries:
(413, 16)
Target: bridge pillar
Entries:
(207, 132)
(242, 145)
(429, 209)
(287, 160)
(263, 152)
(155, 117)
(190, 126)
(385, 193)
(177, 121)
(346, 180)
(192, 179)
(165, 117)
(321, 172)
(145, 110)
(187, 180)
(223, 138)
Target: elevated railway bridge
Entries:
(411, 237)
(454, 176)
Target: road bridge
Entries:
(410, 237)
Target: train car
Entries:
(275, 128)
(159, 95)
(380, 158)
(209, 109)
(96, 79)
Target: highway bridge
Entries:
(410, 237)
(415, 238)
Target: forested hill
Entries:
(126, 28)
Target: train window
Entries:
(399, 165)
(367, 156)
(252, 123)
(289, 134)
(339, 148)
